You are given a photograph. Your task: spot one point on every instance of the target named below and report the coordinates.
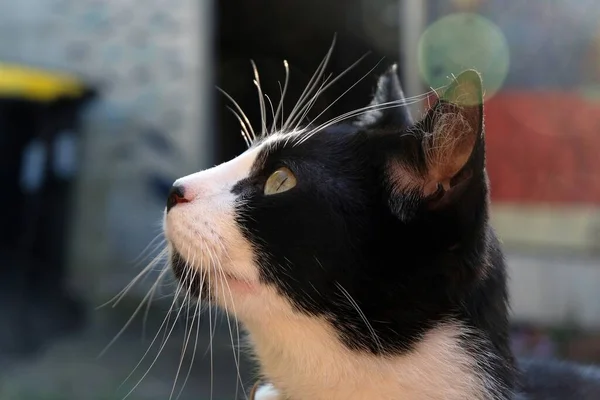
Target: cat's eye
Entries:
(280, 181)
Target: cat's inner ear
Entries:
(447, 138)
(455, 129)
(388, 106)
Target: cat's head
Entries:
(384, 214)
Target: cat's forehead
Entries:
(304, 144)
(323, 147)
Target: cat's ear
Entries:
(456, 131)
(388, 106)
(449, 142)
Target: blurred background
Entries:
(103, 103)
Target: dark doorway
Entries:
(301, 32)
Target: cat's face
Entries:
(351, 216)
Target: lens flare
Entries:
(464, 40)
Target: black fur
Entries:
(336, 231)
(411, 262)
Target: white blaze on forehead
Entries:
(221, 178)
(205, 230)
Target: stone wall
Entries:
(150, 60)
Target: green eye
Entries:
(280, 181)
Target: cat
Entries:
(359, 257)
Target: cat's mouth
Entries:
(206, 281)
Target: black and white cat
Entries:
(360, 259)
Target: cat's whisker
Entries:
(156, 357)
(164, 296)
(149, 347)
(117, 298)
(235, 357)
(310, 85)
(149, 246)
(140, 277)
(245, 134)
(306, 109)
(351, 114)
(197, 315)
(188, 331)
(271, 106)
(165, 323)
(240, 111)
(283, 92)
(210, 342)
(179, 303)
(381, 319)
(149, 303)
(329, 84)
(347, 90)
(361, 314)
(363, 110)
(433, 91)
(375, 107)
(133, 315)
(261, 100)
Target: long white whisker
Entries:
(283, 92)
(116, 299)
(328, 85)
(311, 85)
(362, 315)
(240, 111)
(223, 286)
(196, 314)
(180, 288)
(187, 333)
(261, 100)
(135, 312)
(346, 91)
(354, 113)
(237, 326)
(149, 347)
(211, 335)
(148, 246)
(245, 134)
(155, 358)
(308, 106)
(164, 341)
(148, 304)
(271, 106)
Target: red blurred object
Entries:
(543, 147)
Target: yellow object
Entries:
(36, 84)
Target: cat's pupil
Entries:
(282, 182)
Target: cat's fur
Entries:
(378, 275)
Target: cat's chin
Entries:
(210, 281)
(224, 284)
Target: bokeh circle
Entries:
(460, 41)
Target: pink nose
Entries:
(176, 196)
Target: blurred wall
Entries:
(542, 125)
(150, 63)
(542, 144)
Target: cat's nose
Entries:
(177, 195)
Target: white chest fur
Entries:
(303, 360)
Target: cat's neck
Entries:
(303, 358)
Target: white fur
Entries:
(302, 356)
(267, 392)
(204, 230)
